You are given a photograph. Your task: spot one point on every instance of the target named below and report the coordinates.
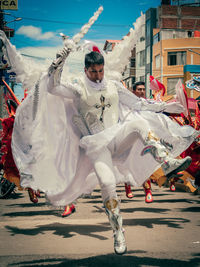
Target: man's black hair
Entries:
(93, 58)
(136, 84)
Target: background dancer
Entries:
(140, 91)
(11, 172)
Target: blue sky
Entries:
(43, 20)
(37, 34)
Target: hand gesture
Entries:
(63, 53)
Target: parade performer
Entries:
(140, 91)
(184, 118)
(194, 149)
(100, 140)
(11, 172)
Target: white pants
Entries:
(105, 173)
(103, 164)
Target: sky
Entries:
(37, 34)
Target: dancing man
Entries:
(96, 141)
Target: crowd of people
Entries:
(69, 137)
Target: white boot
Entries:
(171, 166)
(159, 151)
(115, 218)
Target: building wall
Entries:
(140, 48)
(150, 24)
(164, 72)
(128, 76)
(178, 17)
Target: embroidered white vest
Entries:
(99, 109)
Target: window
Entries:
(142, 33)
(142, 79)
(147, 85)
(148, 29)
(171, 85)
(157, 61)
(156, 38)
(190, 34)
(141, 58)
(132, 62)
(176, 58)
(148, 54)
(133, 80)
(109, 47)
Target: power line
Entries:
(40, 58)
(76, 23)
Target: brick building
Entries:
(175, 40)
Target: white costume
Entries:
(49, 148)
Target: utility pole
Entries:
(5, 5)
(2, 71)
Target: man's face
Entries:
(95, 73)
(140, 91)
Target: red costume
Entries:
(10, 170)
(185, 119)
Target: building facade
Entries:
(172, 38)
(140, 53)
(172, 50)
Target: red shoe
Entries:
(69, 209)
(129, 193)
(172, 186)
(37, 193)
(148, 196)
(32, 195)
(147, 190)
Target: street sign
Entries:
(9, 4)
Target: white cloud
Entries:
(35, 33)
(47, 54)
(42, 52)
(75, 61)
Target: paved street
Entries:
(163, 233)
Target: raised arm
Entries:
(54, 73)
(140, 104)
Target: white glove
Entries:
(174, 107)
(63, 53)
(69, 44)
(58, 63)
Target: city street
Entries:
(163, 233)
(105, 88)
